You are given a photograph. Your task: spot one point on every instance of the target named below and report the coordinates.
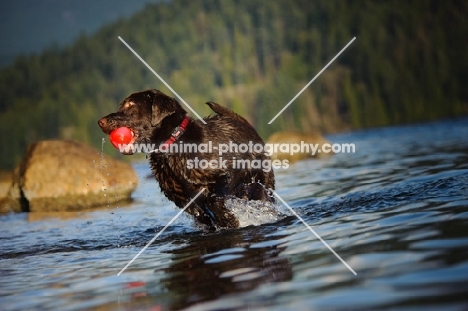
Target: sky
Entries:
(30, 26)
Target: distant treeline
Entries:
(409, 63)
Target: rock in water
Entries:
(68, 175)
(5, 184)
(290, 138)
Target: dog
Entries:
(158, 119)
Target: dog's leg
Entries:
(223, 217)
(256, 191)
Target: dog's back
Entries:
(226, 127)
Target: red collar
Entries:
(178, 131)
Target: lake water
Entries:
(396, 211)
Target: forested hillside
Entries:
(407, 64)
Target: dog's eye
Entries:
(128, 105)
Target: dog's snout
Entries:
(102, 122)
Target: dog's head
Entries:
(142, 112)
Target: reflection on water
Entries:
(66, 215)
(232, 262)
(396, 211)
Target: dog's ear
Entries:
(162, 106)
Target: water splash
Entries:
(254, 213)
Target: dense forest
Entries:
(408, 64)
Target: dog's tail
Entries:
(223, 111)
